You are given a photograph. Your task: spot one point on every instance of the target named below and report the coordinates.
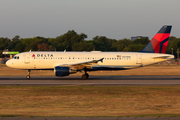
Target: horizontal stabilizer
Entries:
(164, 57)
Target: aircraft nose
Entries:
(9, 63)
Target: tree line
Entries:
(71, 41)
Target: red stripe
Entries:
(164, 47)
(159, 37)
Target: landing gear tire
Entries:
(85, 76)
(28, 77)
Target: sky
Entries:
(115, 19)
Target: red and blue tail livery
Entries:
(159, 42)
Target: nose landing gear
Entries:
(28, 76)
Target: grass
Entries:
(79, 101)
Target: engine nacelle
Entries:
(63, 71)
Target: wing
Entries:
(80, 66)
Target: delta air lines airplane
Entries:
(65, 63)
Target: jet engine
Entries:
(63, 71)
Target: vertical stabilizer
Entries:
(159, 42)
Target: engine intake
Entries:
(63, 71)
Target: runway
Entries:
(92, 81)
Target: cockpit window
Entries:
(16, 57)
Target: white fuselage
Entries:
(49, 60)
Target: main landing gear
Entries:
(85, 76)
(28, 76)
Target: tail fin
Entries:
(159, 42)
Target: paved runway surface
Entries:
(92, 81)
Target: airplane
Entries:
(66, 63)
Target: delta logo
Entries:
(42, 55)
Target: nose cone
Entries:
(9, 63)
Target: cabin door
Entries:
(138, 59)
(27, 58)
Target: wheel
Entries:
(85, 76)
(28, 77)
